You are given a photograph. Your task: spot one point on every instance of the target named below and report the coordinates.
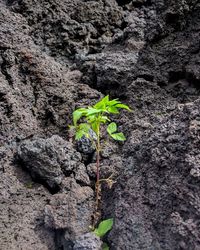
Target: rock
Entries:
(48, 159)
(21, 210)
(81, 175)
(61, 212)
(105, 171)
(68, 184)
(108, 149)
(146, 53)
(158, 180)
(91, 21)
(91, 170)
(88, 241)
(71, 211)
(85, 145)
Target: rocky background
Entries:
(56, 55)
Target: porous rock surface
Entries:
(88, 241)
(59, 55)
(69, 211)
(49, 159)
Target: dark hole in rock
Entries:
(124, 25)
(88, 158)
(123, 2)
(162, 84)
(175, 76)
(171, 18)
(146, 77)
(193, 80)
(135, 3)
(2, 97)
(114, 90)
(10, 2)
(61, 244)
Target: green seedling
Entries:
(88, 122)
(104, 227)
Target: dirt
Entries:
(59, 55)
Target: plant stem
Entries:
(97, 168)
(97, 181)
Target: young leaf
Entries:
(118, 136)
(113, 110)
(122, 106)
(104, 119)
(79, 134)
(113, 102)
(102, 103)
(76, 116)
(91, 118)
(94, 127)
(85, 127)
(112, 128)
(104, 227)
(93, 111)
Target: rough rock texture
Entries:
(22, 209)
(87, 242)
(59, 55)
(161, 181)
(49, 159)
(67, 28)
(69, 211)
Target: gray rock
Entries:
(71, 211)
(144, 52)
(105, 170)
(91, 21)
(91, 170)
(81, 175)
(22, 208)
(88, 241)
(68, 184)
(85, 145)
(108, 149)
(48, 159)
(158, 180)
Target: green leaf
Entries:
(104, 227)
(112, 128)
(91, 118)
(94, 127)
(122, 106)
(93, 111)
(118, 136)
(79, 134)
(76, 116)
(105, 246)
(113, 110)
(113, 102)
(104, 119)
(102, 103)
(85, 127)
